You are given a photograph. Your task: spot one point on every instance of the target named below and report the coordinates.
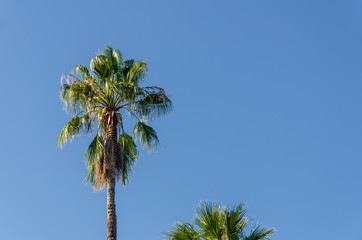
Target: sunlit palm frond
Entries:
(95, 149)
(91, 173)
(74, 127)
(235, 221)
(209, 218)
(182, 231)
(127, 92)
(135, 72)
(77, 95)
(147, 135)
(129, 156)
(101, 66)
(115, 56)
(82, 71)
(93, 153)
(259, 233)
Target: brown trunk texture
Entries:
(111, 182)
(111, 210)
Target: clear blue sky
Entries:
(267, 111)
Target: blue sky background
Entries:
(267, 111)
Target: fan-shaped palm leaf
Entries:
(259, 232)
(94, 152)
(74, 127)
(209, 218)
(235, 221)
(183, 231)
(154, 102)
(129, 154)
(147, 135)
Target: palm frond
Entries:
(92, 155)
(209, 218)
(115, 57)
(235, 221)
(82, 71)
(147, 135)
(95, 149)
(154, 103)
(74, 127)
(182, 231)
(135, 73)
(101, 66)
(77, 95)
(129, 156)
(259, 232)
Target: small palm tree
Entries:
(216, 222)
(98, 97)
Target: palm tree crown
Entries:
(215, 222)
(101, 93)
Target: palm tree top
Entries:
(216, 222)
(98, 96)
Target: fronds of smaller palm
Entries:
(183, 231)
(259, 232)
(216, 222)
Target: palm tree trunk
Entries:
(111, 210)
(111, 182)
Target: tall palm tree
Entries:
(98, 97)
(215, 222)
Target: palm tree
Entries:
(215, 222)
(98, 97)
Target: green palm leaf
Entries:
(78, 96)
(82, 71)
(115, 56)
(259, 232)
(209, 218)
(182, 231)
(135, 72)
(235, 221)
(94, 152)
(153, 104)
(74, 127)
(147, 135)
(101, 66)
(129, 156)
